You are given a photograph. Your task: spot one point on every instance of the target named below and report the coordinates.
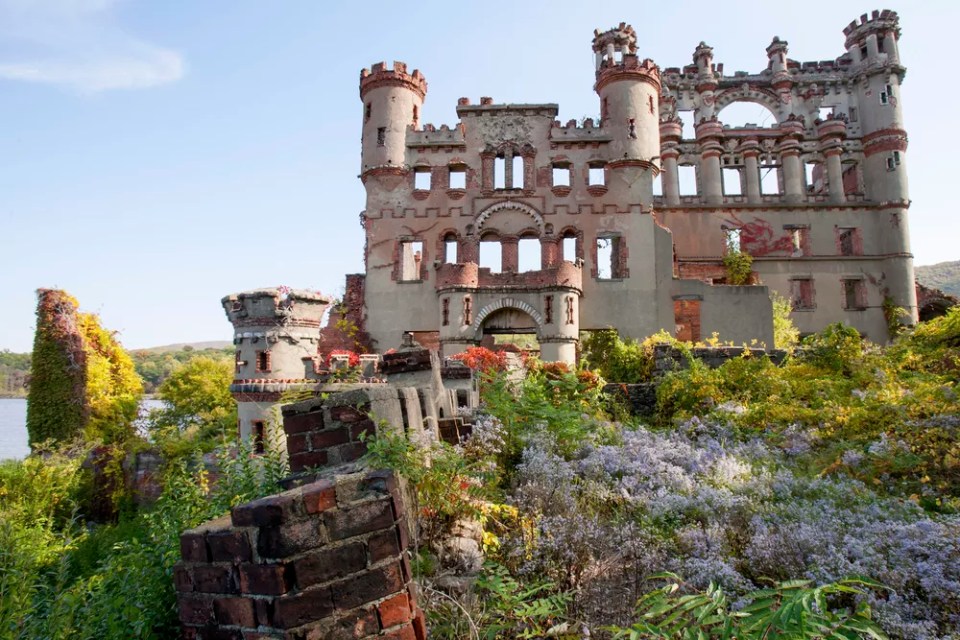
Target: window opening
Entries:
(367, 112)
(814, 177)
(458, 177)
(258, 437)
(422, 179)
(528, 254)
(446, 311)
(689, 124)
(853, 114)
(517, 177)
(893, 161)
(381, 136)
(570, 247)
(263, 361)
(596, 175)
(853, 294)
(499, 173)
(848, 245)
(687, 178)
(732, 185)
(491, 255)
(411, 255)
(450, 249)
(769, 180)
(548, 309)
(416, 115)
(825, 112)
(561, 175)
(743, 114)
(801, 293)
(799, 238)
(658, 184)
(570, 316)
(732, 240)
(605, 258)
(886, 94)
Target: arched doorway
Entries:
(510, 330)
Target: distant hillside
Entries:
(193, 346)
(944, 276)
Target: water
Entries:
(13, 428)
(13, 425)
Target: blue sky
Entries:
(159, 155)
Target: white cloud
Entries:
(79, 44)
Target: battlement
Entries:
(487, 107)
(877, 22)
(630, 68)
(622, 38)
(378, 75)
(275, 306)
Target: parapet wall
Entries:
(324, 561)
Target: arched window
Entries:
(450, 248)
(528, 252)
(491, 253)
(569, 248)
(746, 114)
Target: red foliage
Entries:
(483, 359)
(354, 359)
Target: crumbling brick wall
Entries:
(323, 561)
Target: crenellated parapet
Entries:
(631, 68)
(378, 75)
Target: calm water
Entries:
(13, 425)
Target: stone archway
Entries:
(499, 305)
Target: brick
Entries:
(382, 481)
(320, 496)
(365, 426)
(367, 587)
(346, 414)
(394, 610)
(308, 606)
(193, 547)
(229, 546)
(405, 570)
(264, 579)
(363, 517)
(189, 633)
(234, 612)
(420, 625)
(383, 545)
(329, 438)
(301, 423)
(302, 461)
(330, 563)
(216, 633)
(260, 635)
(298, 443)
(268, 511)
(182, 579)
(196, 610)
(263, 609)
(288, 539)
(214, 578)
(352, 451)
(405, 632)
(412, 595)
(360, 624)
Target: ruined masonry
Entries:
(589, 220)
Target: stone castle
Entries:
(511, 222)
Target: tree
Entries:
(198, 399)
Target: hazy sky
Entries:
(159, 155)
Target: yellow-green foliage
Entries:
(785, 333)
(739, 267)
(622, 360)
(113, 387)
(199, 408)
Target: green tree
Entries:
(785, 333)
(199, 406)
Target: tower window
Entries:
(516, 175)
(561, 175)
(450, 248)
(411, 256)
(611, 253)
(258, 436)
(381, 136)
(416, 115)
(263, 362)
(893, 161)
(886, 94)
(491, 254)
(500, 173)
(367, 112)
(570, 246)
(848, 242)
(596, 175)
(853, 114)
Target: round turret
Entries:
(629, 91)
(392, 100)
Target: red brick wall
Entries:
(326, 436)
(325, 560)
(686, 314)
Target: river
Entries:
(13, 425)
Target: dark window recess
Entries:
(367, 112)
(258, 437)
(381, 136)
(848, 246)
(548, 309)
(263, 361)
(853, 294)
(446, 311)
(801, 293)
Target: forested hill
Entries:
(943, 275)
(153, 364)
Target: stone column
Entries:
(550, 249)
(792, 175)
(671, 132)
(832, 133)
(835, 176)
(709, 135)
(508, 170)
(510, 253)
(752, 169)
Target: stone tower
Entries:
(276, 332)
(392, 100)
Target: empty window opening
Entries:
(881, 41)
(491, 255)
(853, 294)
(658, 184)
(863, 52)
(499, 173)
(801, 293)
(238, 363)
(517, 176)
(570, 247)
(259, 437)
(732, 185)
(548, 309)
(853, 114)
(813, 174)
(886, 94)
(605, 258)
(618, 56)
(446, 311)
(381, 136)
(561, 175)
(893, 161)
(851, 178)
(732, 240)
(848, 242)
(263, 361)
(458, 177)
(422, 179)
(687, 179)
(596, 175)
(416, 115)
(799, 237)
(450, 248)
(367, 112)
(528, 254)
(769, 180)
(824, 113)
(689, 124)
(411, 255)
(746, 114)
